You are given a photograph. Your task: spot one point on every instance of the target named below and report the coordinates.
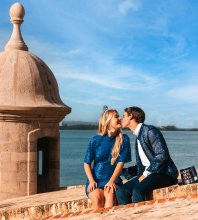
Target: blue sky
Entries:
(117, 53)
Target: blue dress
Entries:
(99, 151)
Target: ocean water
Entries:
(183, 147)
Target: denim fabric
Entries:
(133, 191)
(124, 192)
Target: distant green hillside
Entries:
(80, 125)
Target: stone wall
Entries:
(175, 191)
(72, 201)
(18, 157)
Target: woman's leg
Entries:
(97, 198)
(110, 199)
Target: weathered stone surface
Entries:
(171, 210)
(71, 203)
(42, 205)
(175, 191)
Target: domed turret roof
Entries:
(26, 82)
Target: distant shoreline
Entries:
(95, 127)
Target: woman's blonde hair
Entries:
(104, 126)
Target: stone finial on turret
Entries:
(16, 41)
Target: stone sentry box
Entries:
(30, 113)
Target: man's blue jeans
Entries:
(135, 191)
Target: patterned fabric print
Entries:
(155, 148)
(99, 154)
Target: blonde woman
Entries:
(105, 157)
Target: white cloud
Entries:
(127, 5)
(129, 81)
(187, 93)
(95, 79)
(85, 101)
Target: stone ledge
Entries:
(175, 191)
(71, 201)
(39, 206)
(42, 211)
(126, 212)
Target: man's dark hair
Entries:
(137, 113)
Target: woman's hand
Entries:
(92, 186)
(110, 187)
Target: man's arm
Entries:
(160, 151)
